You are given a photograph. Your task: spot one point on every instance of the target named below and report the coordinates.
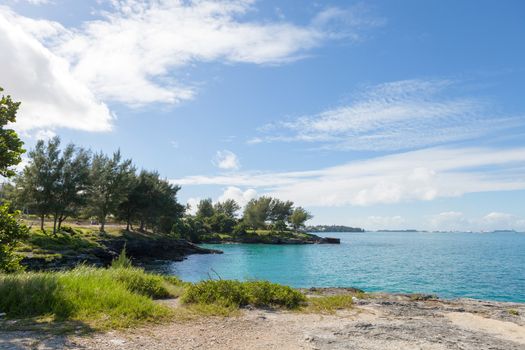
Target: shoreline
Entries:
(375, 321)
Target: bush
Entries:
(264, 293)
(235, 293)
(11, 232)
(240, 229)
(68, 229)
(101, 298)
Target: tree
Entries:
(11, 231)
(257, 212)
(229, 207)
(279, 210)
(110, 182)
(205, 209)
(39, 178)
(10, 144)
(152, 202)
(69, 193)
(299, 217)
(54, 182)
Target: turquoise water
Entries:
(476, 265)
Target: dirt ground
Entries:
(380, 322)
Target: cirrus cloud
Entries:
(397, 115)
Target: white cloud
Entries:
(135, 53)
(398, 115)
(449, 221)
(396, 222)
(457, 221)
(193, 203)
(226, 160)
(51, 97)
(38, 2)
(497, 220)
(418, 175)
(44, 134)
(240, 196)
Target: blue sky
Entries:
(380, 114)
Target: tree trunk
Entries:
(128, 224)
(102, 224)
(60, 221)
(42, 223)
(55, 219)
(142, 223)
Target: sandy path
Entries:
(383, 322)
(500, 329)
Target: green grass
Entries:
(513, 312)
(329, 304)
(98, 298)
(229, 293)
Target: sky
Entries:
(379, 114)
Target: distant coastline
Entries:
(333, 228)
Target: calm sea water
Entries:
(474, 265)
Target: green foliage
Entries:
(101, 298)
(205, 209)
(229, 293)
(10, 144)
(298, 217)
(329, 304)
(40, 177)
(11, 231)
(122, 261)
(111, 181)
(220, 222)
(60, 242)
(280, 210)
(229, 207)
(68, 229)
(240, 229)
(152, 202)
(257, 211)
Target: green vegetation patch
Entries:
(329, 304)
(61, 241)
(99, 298)
(514, 312)
(229, 293)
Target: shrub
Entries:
(264, 293)
(235, 293)
(240, 229)
(68, 229)
(11, 232)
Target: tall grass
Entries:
(101, 298)
(230, 293)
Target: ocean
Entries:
(475, 265)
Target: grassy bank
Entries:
(98, 298)
(91, 298)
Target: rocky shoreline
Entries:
(139, 248)
(375, 322)
(303, 238)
